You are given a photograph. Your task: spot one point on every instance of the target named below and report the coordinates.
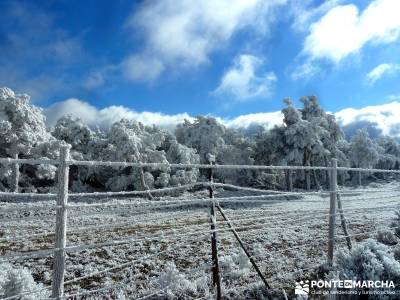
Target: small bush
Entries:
(396, 253)
(386, 237)
(396, 224)
(18, 281)
(369, 261)
(178, 286)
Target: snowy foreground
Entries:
(287, 235)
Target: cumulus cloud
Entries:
(304, 12)
(182, 34)
(105, 117)
(378, 119)
(383, 69)
(384, 118)
(242, 80)
(344, 30)
(142, 68)
(305, 71)
(252, 121)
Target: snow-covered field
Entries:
(168, 247)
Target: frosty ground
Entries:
(169, 245)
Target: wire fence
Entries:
(151, 223)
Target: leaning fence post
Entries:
(332, 210)
(15, 175)
(343, 221)
(61, 225)
(214, 249)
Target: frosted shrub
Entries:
(386, 237)
(17, 281)
(176, 285)
(396, 224)
(368, 261)
(162, 180)
(396, 253)
(47, 172)
(234, 266)
(119, 183)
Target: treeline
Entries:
(307, 137)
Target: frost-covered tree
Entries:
(363, 151)
(209, 137)
(302, 138)
(308, 137)
(389, 153)
(271, 149)
(22, 131)
(22, 125)
(74, 132)
(205, 135)
(328, 132)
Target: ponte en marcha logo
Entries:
(338, 286)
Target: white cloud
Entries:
(394, 97)
(345, 30)
(304, 12)
(266, 120)
(94, 80)
(105, 117)
(142, 68)
(305, 71)
(242, 80)
(181, 34)
(381, 70)
(385, 117)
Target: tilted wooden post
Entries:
(61, 225)
(343, 221)
(332, 210)
(15, 176)
(289, 179)
(241, 244)
(308, 177)
(214, 247)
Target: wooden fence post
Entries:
(61, 225)
(308, 177)
(332, 210)
(214, 247)
(15, 176)
(343, 221)
(289, 179)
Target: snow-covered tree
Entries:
(129, 141)
(22, 131)
(389, 153)
(302, 136)
(363, 152)
(328, 132)
(205, 135)
(22, 125)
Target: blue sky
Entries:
(226, 58)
